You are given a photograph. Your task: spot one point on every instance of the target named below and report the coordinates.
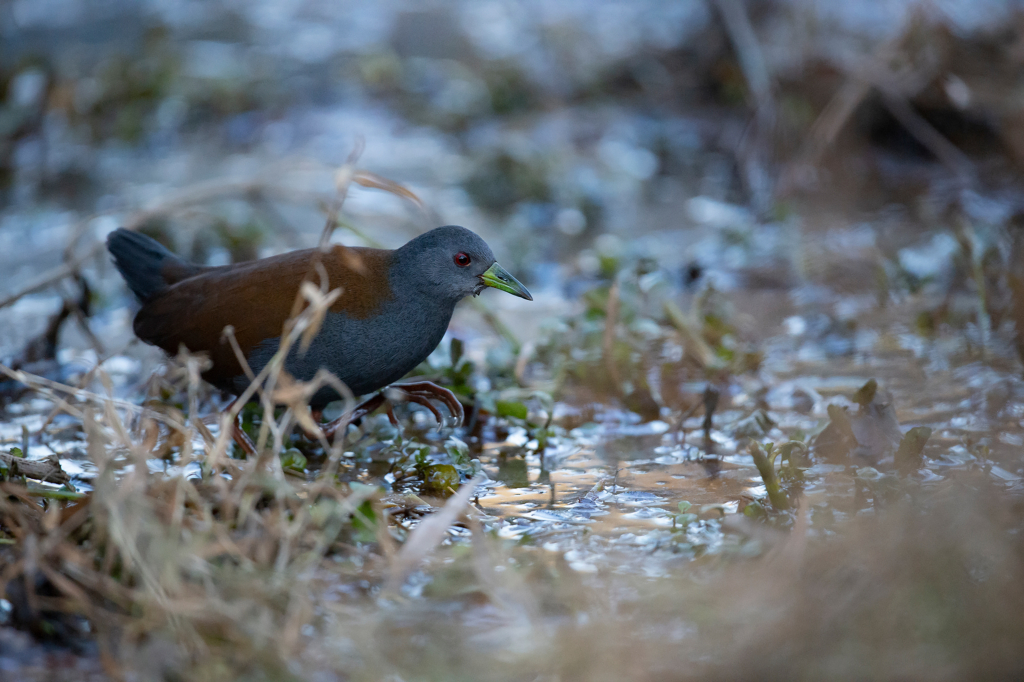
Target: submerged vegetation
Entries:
(765, 418)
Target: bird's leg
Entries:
(240, 436)
(425, 402)
(391, 414)
(420, 392)
(361, 410)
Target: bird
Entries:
(393, 309)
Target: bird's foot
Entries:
(420, 392)
(240, 437)
(243, 441)
(423, 392)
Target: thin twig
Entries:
(753, 151)
(47, 470)
(750, 55)
(930, 138)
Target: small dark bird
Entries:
(393, 310)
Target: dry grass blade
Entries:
(342, 181)
(229, 334)
(929, 137)
(374, 181)
(50, 276)
(319, 304)
(187, 560)
(751, 56)
(53, 389)
(429, 533)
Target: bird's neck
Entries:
(421, 316)
(410, 283)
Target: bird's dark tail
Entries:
(146, 265)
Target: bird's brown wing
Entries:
(256, 298)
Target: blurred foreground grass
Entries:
(252, 574)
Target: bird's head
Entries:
(451, 262)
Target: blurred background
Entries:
(811, 146)
(801, 217)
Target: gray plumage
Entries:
(369, 354)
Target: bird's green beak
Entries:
(498, 277)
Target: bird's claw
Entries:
(423, 392)
(420, 392)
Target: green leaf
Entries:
(866, 393)
(457, 450)
(910, 454)
(440, 479)
(754, 510)
(462, 373)
(456, 352)
(684, 507)
(321, 511)
(511, 408)
(293, 460)
(364, 521)
(513, 472)
(16, 452)
(684, 520)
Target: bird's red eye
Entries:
(462, 259)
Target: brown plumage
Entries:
(256, 298)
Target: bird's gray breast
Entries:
(366, 354)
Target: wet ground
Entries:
(608, 482)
